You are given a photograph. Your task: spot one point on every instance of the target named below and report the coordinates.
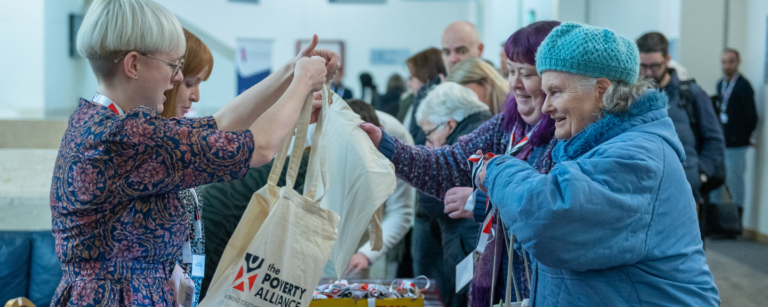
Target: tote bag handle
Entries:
(511, 280)
(301, 127)
(316, 166)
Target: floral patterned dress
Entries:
(117, 218)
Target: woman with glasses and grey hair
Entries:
(446, 112)
(116, 213)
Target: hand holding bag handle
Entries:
(236, 248)
(297, 238)
(301, 127)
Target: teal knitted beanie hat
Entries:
(590, 51)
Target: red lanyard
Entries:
(105, 101)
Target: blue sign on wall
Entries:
(389, 56)
(254, 62)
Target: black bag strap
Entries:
(687, 99)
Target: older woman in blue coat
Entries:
(614, 222)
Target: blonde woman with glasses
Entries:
(116, 213)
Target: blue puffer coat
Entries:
(614, 223)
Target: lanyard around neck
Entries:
(197, 203)
(513, 150)
(726, 89)
(727, 85)
(105, 101)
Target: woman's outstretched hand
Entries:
(373, 132)
(358, 262)
(332, 63)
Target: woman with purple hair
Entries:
(520, 130)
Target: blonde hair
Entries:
(447, 101)
(475, 70)
(197, 59)
(112, 27)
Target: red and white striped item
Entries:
(105, 101)
(487, 234)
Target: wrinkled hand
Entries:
(332, 59)
(358, 262)
(373, 132)
(455, 200)
(312, 71)
(481, 175)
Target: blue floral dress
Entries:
(117, 218)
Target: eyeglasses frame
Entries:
(175, 66)
(427, 134)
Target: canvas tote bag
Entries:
(281, 244)
(360, 178)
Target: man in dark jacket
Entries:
(690, 109)
(339, 88)
(739, 119)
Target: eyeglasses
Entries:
(176, 67)
(427, 134)
(653, 67)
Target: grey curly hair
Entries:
(620, 95)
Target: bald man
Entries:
(460, 40)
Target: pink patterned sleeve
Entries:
(154, 155)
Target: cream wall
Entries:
(701, 40)
(630, 18)
(21, 58)
(51, 85)
(499, 19)
(754, 15)
(66, 79)
(396, 24)
(573, 11)
(39, 77)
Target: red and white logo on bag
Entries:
(252, 263)
(270, 288)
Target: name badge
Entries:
(186, 253)
(183, 287)
(464, 272)
(198, 265)
(198, 229)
